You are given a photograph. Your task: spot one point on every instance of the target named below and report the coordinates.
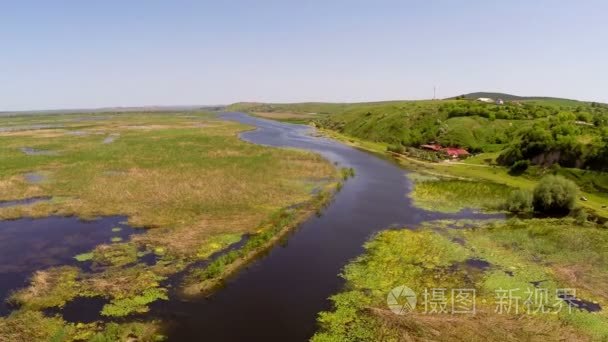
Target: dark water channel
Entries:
(28, 245)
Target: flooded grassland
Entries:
(100, 214)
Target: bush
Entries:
(396, 149)
(580, 215)
(519, 201)
(555, 195)
(519, 167)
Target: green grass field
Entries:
(453, 195)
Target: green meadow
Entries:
(453, 195)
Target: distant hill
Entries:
(511, 97)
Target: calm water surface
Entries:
(28, 245)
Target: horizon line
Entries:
(194, 106)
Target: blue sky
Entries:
(82, 54)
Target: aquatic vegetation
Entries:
(49, 288)
(404, 255)
(30, 325)
(116, 229)
(137, 304)
(116, 254)
(84, 257)
(487, 257)
(116, 239)
(34, 326)
(452, 195)
(347, 172)
(111, 332)
(130, 289)
(121, 283)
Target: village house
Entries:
(452, 152)
(455, 152)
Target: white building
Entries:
(485, 99)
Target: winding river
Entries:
(278, 296)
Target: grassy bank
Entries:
(481, 168)
(531, 256)
(201, 281)
(185, 176)
(452, 195)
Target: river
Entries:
(278, 296)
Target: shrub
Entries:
(519, 167)
(580, 215)
(519, 201)
(396, 149)
(555, 195)
(347, 172)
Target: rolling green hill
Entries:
(543, 131)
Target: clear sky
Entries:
(81, 54)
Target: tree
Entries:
(519, 167)
(555, 195)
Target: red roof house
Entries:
(452, 152)
(455, 152)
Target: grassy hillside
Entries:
(476, 126)
(544, 131)
(553, 139)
